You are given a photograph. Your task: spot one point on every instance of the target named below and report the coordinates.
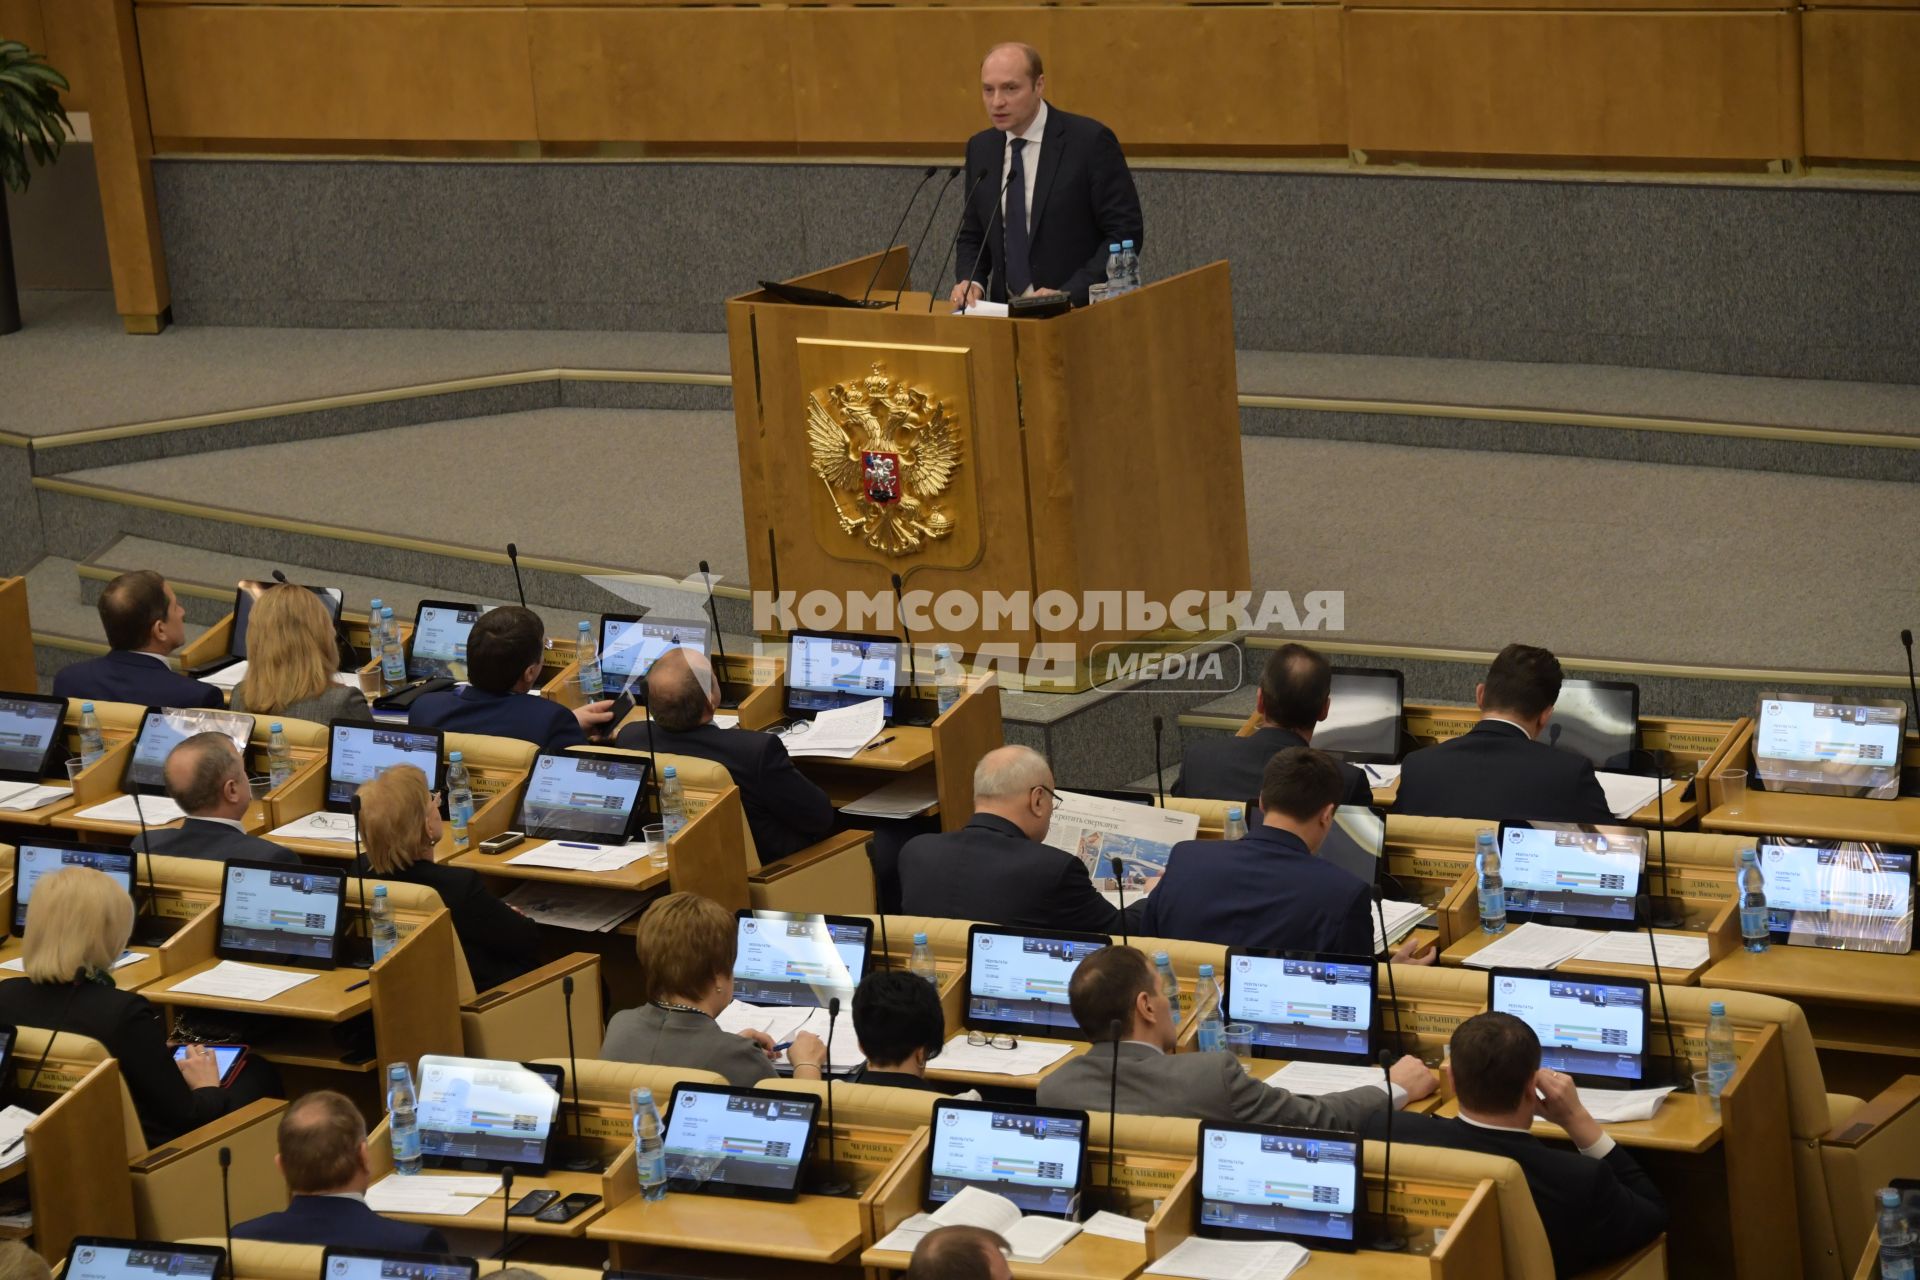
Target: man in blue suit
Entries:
(144, 623)
(505, 652)
(323, 1156)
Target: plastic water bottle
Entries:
(1753, 902)
(403, 1119)
(1721, 1059)
(1168, 983)
(376, 630)
(673, 802)
(1896, 1237)
(948, 680)
(382, 928)
(393, 658)
(1493, 890)
(1236, 826)
(1130, 264)
(1211, 1003)
(590, 683)
(921, 964)
(1116, 271)
(279, 757)
(649, 1146)
(459, 799)
(93, 744)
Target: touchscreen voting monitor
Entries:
(1598, 720)
(826, 670)
(1363, 716)
(1018, 981)
(1263, 1183)
(32, 738)
(37, 858)
(1595, 1030)
(369, 1264)
(1573, 873)
(738, 1142)
(103, 1258)
(595, 799)
(248, 592)
(1034, 1156)
(161, 730)
(1820, 747)
(630, 645)
(272, 913)
(476, 1113)
(357, 753)
(1357, 842)
(1839, 895)
(440, 627)
(1317, 1008)
(792, 959)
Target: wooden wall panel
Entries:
(456, 74)
(51, 27)
(1719, 85)
(1862, 69)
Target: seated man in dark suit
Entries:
(504, 657)
(1596, 1203)
(206, 777)
(899, 1023)
(1116, 986)
(995, 869)
(785, 810)
(1267, 889)
(323, 1157)
(1499, 770)
(144, 623)
(1296, 691)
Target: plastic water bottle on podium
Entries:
(649, 1146)
(1236, 824)
(1168, 983)
(374, 629)
(1116, 272)
(590, 683)
(1722, 1061)
(921, 964)
(1896, 1237)
(279, 756)
(403, 1119)
(459, 798)
(1211, 1003)
(381, 926)
(93, 744)
(948, 680)
(673, 802)
(393, 657)
(1493, 889)
(1752, 887)
(1129, 265)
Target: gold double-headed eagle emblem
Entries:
(893, 450)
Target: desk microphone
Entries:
(1120, 891)
(653, 767)
(1393, 992)
(506, 1214)
(1114, 1193)
(581, 1163)
(881, 915)
(874, 279)
(155, 933)
(920, 244)
(986, 235)
(1674, 1072)
(1385, 1238)
(513, 556)
(281, 578)
(913, 670)
(828, 1182)
(1159, 771)
(1667, 907)
(719, 642)
(1913, 688)
(362, 869)
(226, 1205)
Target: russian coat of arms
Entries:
(891, 449)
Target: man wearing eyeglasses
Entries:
(995, 869)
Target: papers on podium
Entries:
(1617, 1106)
(20, 797)
(839, 734)
(1197, 1258)
(13, 1127)
(1095, 829)
(1032, 1238)
(157, 810)
(337, 827)
(19, 963)
(1115, 1227)
(784, 1022)
(1628, 793)
(1024, 1059)
(1381, 775)
(231, 980)
(571, 856)
(572, 906)
(1311, 1079)
(1679, 952)
(1402, 919)
(1532, 946)
(418, 1194)
(907, 797)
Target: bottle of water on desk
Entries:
(93, 743)
(1721, 1058)
(948, 680)
(459, 798)
(1236, 825)
(590, 682)
(1129, 265)
(1211, 1004)
(1896, 1237)
(1752, 887)
(649, 1146)
(1163, 964)
(381, 927)
(375, 631)
(279, 756)
(1493, 890)
(1116, 272)
(921, 964)
(393, 657)
(403, 1119)
(673, 802)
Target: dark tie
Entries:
(1019, 268)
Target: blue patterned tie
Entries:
(1019, 268)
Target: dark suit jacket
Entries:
(1263, 891)
(216, 842)
(989, 871)
(785, 810)
(547, 725)
(133, 1032)
(1083, 201)
(1495, 772)
(1231, 769)
(1200, 1086)
(1594, 1210)
(500, 944)
(123, 676)
(342, 1223)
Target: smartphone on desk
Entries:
(533, 1202)
(227, 1059)
(570, 1208)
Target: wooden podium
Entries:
(1095, 452)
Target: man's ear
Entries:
(1480, 695)
(1326, 709)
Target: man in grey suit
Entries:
(206, 777)
(1117, 987)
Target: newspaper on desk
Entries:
(839, 734)
(574, 906)
(22, 797)
(152, 810)
(337, 827)
(1097, 830)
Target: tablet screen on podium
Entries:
(804, 960)
(630, 645)
(595, 799)
(1263, 1183)
(440, 627)
(1017, 981)
(1593, 1029)
(1363, 716)
(738, 1142)
(1597, 720)
(32, 736)
(42, 857)
(1034, 1156)
(1316, 1008)
(827, 670)
(104, 1258)
(358, 753)
(1839, 895)
(477, 1113)
(1816, 746)
(272, 913)
(163, 730)
(369, 1264)
(1573, 873)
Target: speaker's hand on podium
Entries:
(966, 293)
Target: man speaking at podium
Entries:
(1067, 191)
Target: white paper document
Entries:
(1312, 1079)
(1381, 775)
(1032, 1238)
(1615, 1106)
(318, 826)
(569, 855)
(1024, 1059)
(985, 308)
(426, 1193)
(1115, 1227)
(839, 734)
(19, 963)
(232, 980)
(1629, 793)
(157, 810)
(573, 906)
(1201, 1259)
(228, 677)
(1532, 946)
(905, 1238)
(784, 1022)
(1679, 952)
(1096, 830)
(907, 797)
(20, 797)
(1402, 919)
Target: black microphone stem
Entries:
(921, 243)
(1660, 983)
(1159, 770)
(573, 1065)
(226, 1205)
(1120, 891)
(885, 958)
(1384, 1238)
(1913, 687)
(887, 251)
(1113, 1110)
(954, 246)
(513, 555)
(906, 638)
(506, 1215)
(719, 641)
(1393, 991)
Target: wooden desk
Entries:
(97, 783)
(486, 1214)
(331, 995)
(1779, 813)
(1862, 1007)
(819, 1229)
(1681, 1124)
(638, 876)
(1263, 1069)
(984, 1080)
(1716, 934)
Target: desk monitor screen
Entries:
(825, 671)
(738, 1142)
(478, 1113)
(368, 1264)
(1598, 720)
(272, 913)
(1318, 1008)
(39, 857)
(358, 753)
(1594, 1030)
(32, 737)
(161, 730)
(1363, 716)
(1839, 895)
(1579, 873)
(792, 959)
(440, 628)
(1263, 1183)
(630, 645)
(1357, 842)
(595, 799)
(103, 1258)
(248, 592)
(1018, 981)
(1820, 747)
(1034, 1156)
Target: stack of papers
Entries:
(907, 797)
(569, 906)
(839, 734)
(156, 810)
(784, 1022)
(1032, 1238)
(1311, 1079)
(1532, 946)
(1402, 919)
(232, 980)
(1115, 1227)
(19, 963)
(1616, 1106)
(13, 1126)
(1024, 1059)
(1201, 1259)
(23, 796)
(1381, 775)
(319, 826)
(1679, 952)
(570, 855)
(1628, 793)
(428, 1194)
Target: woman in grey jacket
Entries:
(291, 659)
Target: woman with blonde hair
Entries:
(399, 826)
(78, 922)
(291, 659)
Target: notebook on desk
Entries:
(1304, 1005)
(32, 737)
(1017, 980)
(1839, 895)
(272, 913)
(369, 1264)
(1573, 873)
(164, 728)
(1591, 1029)
(36, 858)
(1260, 1182)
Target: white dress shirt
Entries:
(1029, 157)
(1598, 1151)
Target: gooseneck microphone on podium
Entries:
(1114, 1192)
(920, 186)
(719, 642)
(826, 1179)
(506, 1215)
(925, 230)
(1913, 687)
(226, 1205)
(986, 234)
(1120, 891)
(913, 669)
(1159, 770)
(1385, 1238)
(1393, 992)
(513, 557)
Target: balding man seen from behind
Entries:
(995, 869)
(960, 1253)
(206, 777)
